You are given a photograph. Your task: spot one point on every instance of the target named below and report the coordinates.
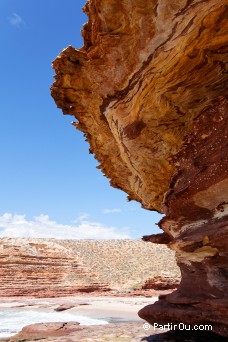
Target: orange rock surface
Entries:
(139, 81)
(149, 91)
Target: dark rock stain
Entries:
(134, 130)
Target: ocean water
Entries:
(12, 321)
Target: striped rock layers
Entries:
(58, 268)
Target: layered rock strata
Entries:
(149, 91)
(55, 268)
(40, 268)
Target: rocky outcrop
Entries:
(149, 91)
(161, 282)
(196, 217)
(162, 239)
(125, 332)
(47, 331)
(55, 268)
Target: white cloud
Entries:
(16, 20)
(42, 227)
(81, 217)
(111, 211)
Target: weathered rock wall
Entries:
(41, 268)
(196, 208)
(149, 91)
(139, 81)
(53, 268)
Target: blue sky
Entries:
(49, 184)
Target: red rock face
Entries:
(149, 91)
(58, 268)
(161, 283)
(196, 208)
(45, 331)
(40, 268)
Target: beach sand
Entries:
(113, 309)
(120, 312)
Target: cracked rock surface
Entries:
(149, 91)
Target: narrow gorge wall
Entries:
(149, 92)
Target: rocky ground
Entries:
(130, 332)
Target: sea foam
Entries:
(12, 321)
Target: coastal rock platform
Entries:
(130, 332)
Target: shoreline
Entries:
(111, 308)
(116, 311)
(124, 325)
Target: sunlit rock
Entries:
(149, 92)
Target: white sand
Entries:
(112, 308)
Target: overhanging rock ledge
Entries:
(149, 91)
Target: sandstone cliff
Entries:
(54, 268)
(149, 91)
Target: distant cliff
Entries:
(51, 268)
